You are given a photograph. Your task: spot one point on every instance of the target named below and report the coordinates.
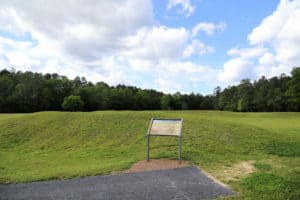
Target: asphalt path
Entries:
(187, 183)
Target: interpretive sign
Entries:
(165, 127)
(170, 127)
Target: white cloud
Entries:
(156, 43)
(84, 29)
(111, 41)
(10, 20)
(193, 71)
(234, 70)
(241, 66)
(251, 52)
(186, 7)
(65, 37)
(208, 28)
(273, 24)
(274, 46)
(267, 59)
(183, 76)
(167, 85)
(15, 53)
(157, 52)
(120, 42)
(197, 47)
(281, 33)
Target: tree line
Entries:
(31, 92)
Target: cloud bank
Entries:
(120, 42)
(274, 46)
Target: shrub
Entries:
(72, 103)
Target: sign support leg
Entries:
(148, 144)
(179, 149)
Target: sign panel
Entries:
(170, 127)
(165, 127)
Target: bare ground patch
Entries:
(156, 164)
(236, 171)
(226, 173)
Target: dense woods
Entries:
(31, 92)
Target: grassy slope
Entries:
(50, 145)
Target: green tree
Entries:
(207, 103)
(260, 94)
(177, 101)
(294, 90)
(6, 89)
(166, 102)
(102, 95)
(154, 99)
(245, 93)
(30, 92)
(229, 99)
(72, 103)
(276, 96)
(122, 98)
(194, 101)
(142, 100)
(217, 93)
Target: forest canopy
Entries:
(31, 92)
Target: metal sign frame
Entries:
(179, 136)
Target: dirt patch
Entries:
(236, 171)
(156, 164)
(161, 164)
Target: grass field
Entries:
(55, 145)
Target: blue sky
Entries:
(169, 45)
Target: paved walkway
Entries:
(182, 184)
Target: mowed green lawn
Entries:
(57, 145)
